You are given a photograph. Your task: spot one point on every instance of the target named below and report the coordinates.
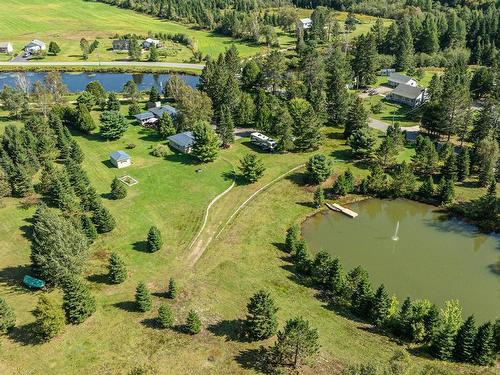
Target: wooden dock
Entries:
(338, 208)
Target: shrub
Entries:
(160, 151)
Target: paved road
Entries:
(104, 63)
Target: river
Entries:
(76, 82)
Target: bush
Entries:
(160, 151)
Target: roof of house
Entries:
(5, 44)
(399, 78)
(144, 116)
(119, 155)
(120, 41)
(159, 111)
(305, 21)
(151, 40)
(36, 42)
(185, 139)
(407, 91)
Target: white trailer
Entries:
(263, 141)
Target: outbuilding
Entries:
(396, 79)
(6, 47)
(151, 42)
(120, 159)
(182, 142)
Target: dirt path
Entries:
(204, 237)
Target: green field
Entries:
(171, 195)
(392, 112)
(67, 21)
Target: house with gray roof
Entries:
(408, 95)
(35, 46)
(182, 142)
(120, 44)
(396, 79)
(120, 159)
(6, 47)
(304, 24)
(152, 115)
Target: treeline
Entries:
(441, 332)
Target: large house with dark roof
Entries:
(408, 95)
(396, 79)
(152, 115)
(182, 142)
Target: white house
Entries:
(120, 159)
(408, 95)
(182, 142)
(35, 46)
(396, 79)
(6, 47)
(151, 42)
(304, 24)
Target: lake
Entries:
(435, 258)
(76, 82)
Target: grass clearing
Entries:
(392, 112)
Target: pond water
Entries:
(434, 258)
(76, 82)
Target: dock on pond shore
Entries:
(338, 208)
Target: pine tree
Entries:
(362, 298)
(302, 259)
(318, 168)
(172, 289)
(165, 316)
(78, 303)
(261, 321)
(84, 120)
(118, 189)
(113, 125)
(207, 143)
(319, 197)
(103, 220)
(251, 167)
(76, 153)
(446, 191)
(154, 240)
(337, 93)
(49, 318)
(153, 53)
(165, 126)
(117, 272)
(443, 343)
(357, 117)
(7, 317)
(380, 306)
(449, 170)
(426, 190)
(88, 228)
(225, 127)
(292, 239)
(484, 345)
(464, 341)
(406, 52)
(463, 164)
(143, 298)
(193, 323)
(113, 103)
(306, 125)
(154, 95)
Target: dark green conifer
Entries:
(193, 323)
(103, 220)
(484, 345)
(172, 288)
(118, 189)
(380, 306)
(78, 303)
(261, 321)
(154, 240)
(7, 317)
(117, 272)
(292, 238)
(88, 228)
(165, 316)
(464, 341)
(143, 298)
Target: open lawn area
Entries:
(390, 112)
(247, 256)
(67, 21)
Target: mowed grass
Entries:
(67, 21)
(392, 112)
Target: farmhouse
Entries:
(120, 45)
(151, 42)
(35, 46)
(154, 114)
(396, 79)
(120, 159)
(408, 95)
(304, 24)
(182, 142)
(6, 47)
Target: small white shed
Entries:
(120, 159)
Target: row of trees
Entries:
(441, 331)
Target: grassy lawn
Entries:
(392, 111)
(171, 195)
(67, 21)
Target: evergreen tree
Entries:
(403, 181)
(154, 240)
(406, 52)
(172, 289)
(319, 197)
(318, 168)
(426, 190)
(193, 323)
(463, 164)
(88, 228)
(78, 303)
(87, 99)
(484, 345)
(295, 344)
(84, 120)
(118, 190)
(443, 342)
(357, 118)
(429, 38)
(446, 190)
(449, 170)
(153, 53)
(207, 143)
(113, 125)
(261, 321)
(337, 93)
(165, 316)
(362, 142)
(117, 272)
(292, 238)
(49, 318)
(362, 298)
(143, 297)
(306, 126)
(103, 219)
(364, 63)
(251, 167)
(113, 104)
(464, 341)
(5, 189)
(54, 48)
(380, 306)
(154, 94)
(225, 127)
(487, 154)
(7, 317)
(165, 126)
(302, 259)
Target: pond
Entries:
(76, 82)
(435, 258)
